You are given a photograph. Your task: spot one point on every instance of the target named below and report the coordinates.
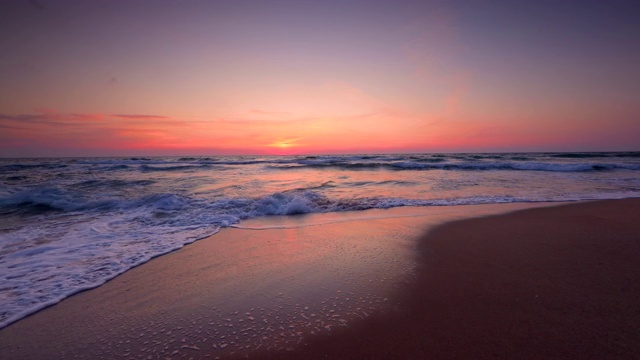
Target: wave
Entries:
(465, 165)
(150, 168)
(578, 155)
(18, 167)
(103, 216)
(189, 167)
(119, 234)
(117, 167)
(180, 210)
(628, 154)
(559, 162)
(48, 199)
(16, 178)
(587, 155)
(112, 183)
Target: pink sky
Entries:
(283, 77)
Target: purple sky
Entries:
(208, 77)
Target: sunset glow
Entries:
(284, 144)
(299, 77)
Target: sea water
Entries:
(70, 224)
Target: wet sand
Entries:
(551, 282)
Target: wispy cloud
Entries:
(244, 133)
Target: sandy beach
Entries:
(542, 281)
(550, 283)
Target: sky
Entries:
(125, 78)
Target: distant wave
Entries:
(187, 167)
(577, 155)
(507, 161)
(14, 167)
(148, 168)
(585, 155)
(470, 165)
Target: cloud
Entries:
(49, 120)
(48, 130)
(20, 117)
(26, 119)
(7, 126)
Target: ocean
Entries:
(70, 224)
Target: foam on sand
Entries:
(242, 290)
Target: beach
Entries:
(300, 179)
(543, 280)
(71, 224)
(556, 282)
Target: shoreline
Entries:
(288, 221)
(279, 276)
(554, 282)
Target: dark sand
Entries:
(555, 282)
(550, 283)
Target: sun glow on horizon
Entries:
(282, 78)
(285, 145)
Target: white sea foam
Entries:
(72, 224)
